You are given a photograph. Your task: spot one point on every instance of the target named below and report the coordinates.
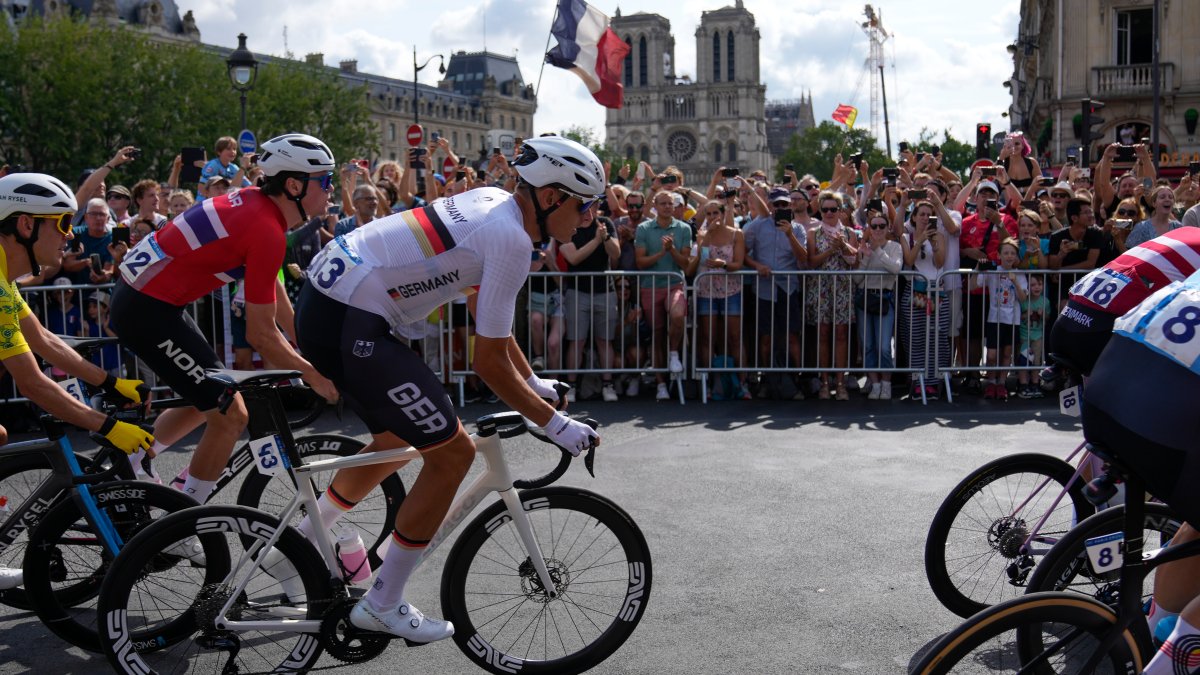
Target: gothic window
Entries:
(642, 62)
(629, 152)
(716, 57)
(717, 152)
(681, 146)
(645, 153)
(501, 124)
(729, 57)
(732, 156)
(629, 63)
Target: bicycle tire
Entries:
(139, 636)
(301, 405)
(374, 516)
(1027, 618)
(975, 536)
(482, 563)
(66, 546)
(1067, 568)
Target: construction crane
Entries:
(876, 35)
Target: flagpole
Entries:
(549, 34)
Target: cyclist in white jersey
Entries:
(364, 286)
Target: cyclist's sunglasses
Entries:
(325, 181)
(585, 203)
(61, 220)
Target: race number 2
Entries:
(146, 255)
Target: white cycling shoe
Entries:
(10, 578)
(404, 621)
(189, 548)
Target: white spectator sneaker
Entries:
(674, 364)
(663, 394)
(885, 391)
(537, 364)
(10, 578)
(279, 568)
(571, 393)
(632, 389)
(608, 392)
(876, 390)
(404, 621)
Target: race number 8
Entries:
(1182, 329)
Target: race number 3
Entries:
(338, 260)
(268, 455)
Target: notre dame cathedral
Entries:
(698, 124)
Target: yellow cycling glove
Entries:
(126, 437)
(130, 390)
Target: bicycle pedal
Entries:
(410, 643)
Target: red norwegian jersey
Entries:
(240, 235)
(1123, 283)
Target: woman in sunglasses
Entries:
(721, 249)
(831, 248)
(874, 302)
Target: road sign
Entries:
(448, 167)
(247, 142)
(414, 135)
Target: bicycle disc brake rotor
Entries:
(345, 642)
(531, 583)
(1007, 535)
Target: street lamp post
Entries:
(242, 68)
(417, 69)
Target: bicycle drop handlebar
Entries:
(512, 424)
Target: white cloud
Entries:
(944, 65)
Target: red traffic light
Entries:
(984, 129)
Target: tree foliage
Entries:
(813, 151)
(587, 137)
(71, 93)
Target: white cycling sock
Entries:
(330, 507)
(197, 489)
(1157, 613)
(1179, 654)
(402, 558)
(136, 460)
(159, 448)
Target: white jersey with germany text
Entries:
(404, 266)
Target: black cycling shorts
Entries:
(166, 338)
(382, 379)
(1142, 407)
(1080, 333)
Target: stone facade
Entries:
(786, 119)
(1068, 50)
(698, 123)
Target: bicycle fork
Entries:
(516, 510)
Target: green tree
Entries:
(72, 93)
(956, 155)
(813, 151)
(587, 137)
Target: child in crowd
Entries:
(96, 325)
(1006, 289)
(1033, 312)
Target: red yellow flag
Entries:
(846, 114)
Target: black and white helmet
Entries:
(299, 153)
(35, 194)
(553, 161)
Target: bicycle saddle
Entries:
(84, 345)
(249, 379)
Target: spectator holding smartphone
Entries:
(1076, 246)
(1022, 170)
(832, 248)
(89, 261)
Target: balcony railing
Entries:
(1135, 80)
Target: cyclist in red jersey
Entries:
(239, 235)
(1085, 325)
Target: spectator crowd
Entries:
(889, 281)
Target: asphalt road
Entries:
(786, 537)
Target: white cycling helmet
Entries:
(35, 194)
(553, 161)
(295, 152)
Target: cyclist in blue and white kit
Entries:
(1142, 403)
(395, 271)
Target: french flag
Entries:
(590, 49)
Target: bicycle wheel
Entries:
(973, 555)
(301, 405)
(1060, 630)
(20, 476)
(67, 562)
(1066, 566)
(162, 620)
(374, 516)
(504, 620)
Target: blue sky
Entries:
(945, 68)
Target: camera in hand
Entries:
(1123, 223)
(729, 173)
(875, 205)
(1046, 181)
(1030, 204)
(97, 268)
(935, 150)
(1126, 153)
(988, 171)
(460, 175)
(669, 180)
(933, 224)
(890, 174)
(993, 204)
(783, 214)
(727, 194)
(789, 167)
(918, 194)
(134, 153)
(414, 157)
(1194, 168)
(120, 235)
(856, 160)
(903, 146)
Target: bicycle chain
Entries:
(345, 642)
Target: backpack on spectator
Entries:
(726, 386)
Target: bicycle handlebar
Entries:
(512, 424)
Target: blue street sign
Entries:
(246, 141)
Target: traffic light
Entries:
(983, 140)
(1091, 120)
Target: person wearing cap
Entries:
(119, 200)
(1060, 194)
(224, 165)
(63, 316)
(215, 186)
(95, 325)
(776, 246)
(664, 245)
(91, 239)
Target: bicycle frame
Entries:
(495, 478)
(1026, 546)
(65, 475)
